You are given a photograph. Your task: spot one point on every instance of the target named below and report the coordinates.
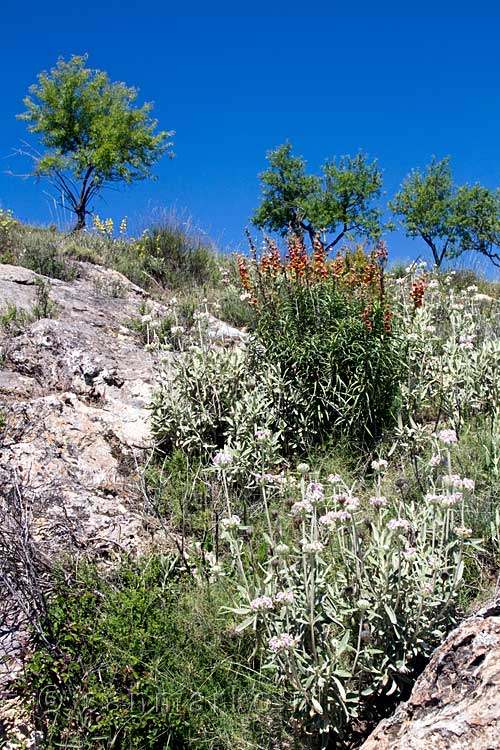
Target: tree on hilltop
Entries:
(92, 133)
(334, 205)
(450, 219)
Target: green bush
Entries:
(328, 327)
(43, 254)
(143, 662)
(218, 399)
(173, 258)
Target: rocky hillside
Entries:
(75, 386)
(74, 395)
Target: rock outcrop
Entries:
(75, 389)
(455, 704)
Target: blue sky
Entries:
(401, 81)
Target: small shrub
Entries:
(143, 661)
(7, 225)
(43, 255)
(14, 320)
(168, 255)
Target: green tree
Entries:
(477, 215)
(449, 219)
(92, 133)
(336, 204)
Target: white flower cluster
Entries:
(314, 492)
(223, 459)
(311, 548)
(379, 464)
(262, 604)
(453, 480)
(283, 642)
(448, 437)
(284, 597)
(379, 501)
(331, 518)
(232, 522)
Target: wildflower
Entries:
(284, 597)
(334, 478)
(409, 552)
(363, 605)
(434, 284)
(244, 296)
(283, 642)
(448, 437)
(472, 289)
(311, 548)
(417, 293)
(398, 523)
(232, 522)
(352, 503)
(282, 550)
(201, 315)
(223, 459)
(262, 603)
(314, 492)
(449, 501)
(379, 464)
(146, 318)
(302, 506)
(379, 501)
(303, 468)
(468, 484)
(432, 498)
(177, 330)
(463, 532)
(466, 341)
(435, 460)
(173, 302)
(452, 480)
(329, 519)
(427, 589)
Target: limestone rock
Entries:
(455, 704)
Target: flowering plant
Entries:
(352, 593)
(328, 326)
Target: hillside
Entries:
(207, 538)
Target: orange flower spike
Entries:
(417, 293)
(244, 274)
(365, 316)
(387, 319)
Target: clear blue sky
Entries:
(402, 81)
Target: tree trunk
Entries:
(80, 220)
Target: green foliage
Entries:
(326, 328)
(92, 133)
(14, 320)
(339, 202)
(7, 224)
(143, 661)
(43, 255)
(216, 399)
(450, 219)
(175, 258)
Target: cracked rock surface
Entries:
(455, 704)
